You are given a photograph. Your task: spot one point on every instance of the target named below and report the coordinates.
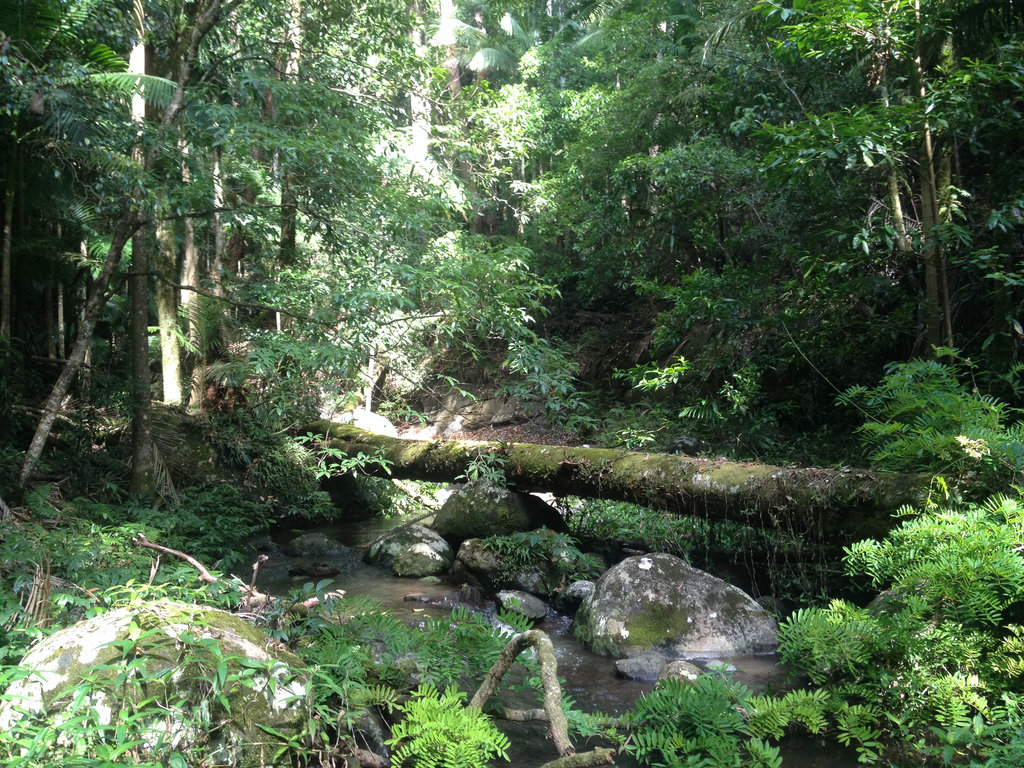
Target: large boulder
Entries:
(412, 551)
(482, 509)
(200, 681)
(658, 602)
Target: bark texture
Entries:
(834, 503)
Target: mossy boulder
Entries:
(195, 680)
(482, 509)
(414, 551)
(658, 602)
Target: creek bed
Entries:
(589, 679)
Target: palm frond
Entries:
(157, 91)
(492, 60)
(105, 59)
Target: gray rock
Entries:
(413, 551)
(645, 668)
(569, 599)
(480, 563)
(314, 545)
(680, 670)
(481, 509)
(163, 638)
(534, 582)
(658, 602)
(523, 603)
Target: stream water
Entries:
(589, 679)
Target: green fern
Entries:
(922, 416)
(439, 731)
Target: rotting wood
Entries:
(834, 504)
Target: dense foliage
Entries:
(761, 229)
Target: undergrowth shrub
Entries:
(545, 551)
(928, 416)
(715, 722)
(439, 731)
(940, 652)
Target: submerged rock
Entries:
(414, 551)
(658, 602)
(163, 657)
(314, 545)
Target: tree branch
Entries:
(559, 727)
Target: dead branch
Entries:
(252, 597)
(597, 756)
(140, 540)
(559, 727)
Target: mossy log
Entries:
(834, 504)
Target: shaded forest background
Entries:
(779, 232)
(647, 220)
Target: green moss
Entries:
(657, 624)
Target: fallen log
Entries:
(835, 504)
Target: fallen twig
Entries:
(252, 597)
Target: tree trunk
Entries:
(841, 504)
(94, 304)
(166, 267)
(5, 258)
(143, 470)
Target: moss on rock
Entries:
(658, 602)
(200, 680)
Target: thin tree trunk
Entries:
(97, 299)
(62, 344)
(936, 304)
(143, 470)
(5, 259)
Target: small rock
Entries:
(644, 668)
(523, 603)
(680, 670)
(314, 545)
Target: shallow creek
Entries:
(589, 679)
